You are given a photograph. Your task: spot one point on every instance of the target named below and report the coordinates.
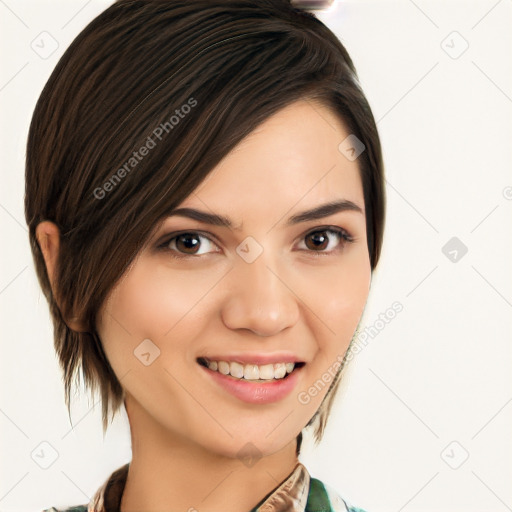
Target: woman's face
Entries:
(277, 286)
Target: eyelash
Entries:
(345, 238)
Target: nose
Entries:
(260, 300)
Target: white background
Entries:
(434, 385)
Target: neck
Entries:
(168, 472)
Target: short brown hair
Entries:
(234, 63)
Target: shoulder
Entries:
(110, 492)
(77, 508)
(323, 498)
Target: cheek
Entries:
(151, 301)
(337, 300)
(348, 296)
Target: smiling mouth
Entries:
(251, 372)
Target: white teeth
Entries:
(251, 372)
(223, 367)
(254, 372)
(279, 370)
(267, 371)
(236, 370)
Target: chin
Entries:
(256, 444)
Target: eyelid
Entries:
(345, 235)
(346, 238)
(174, 234)
(330, 227)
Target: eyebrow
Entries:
(318, 212)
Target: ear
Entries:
(48, 238)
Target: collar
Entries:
(290, 496)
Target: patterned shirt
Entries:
(297, 493)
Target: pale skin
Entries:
(186, 431)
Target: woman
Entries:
(205, 202)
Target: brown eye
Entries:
(326, 241)
(191, 244)
(317, 240)
(187, 243)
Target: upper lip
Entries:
(258, 358)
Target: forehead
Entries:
(292, 157)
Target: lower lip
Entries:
(256, 392)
